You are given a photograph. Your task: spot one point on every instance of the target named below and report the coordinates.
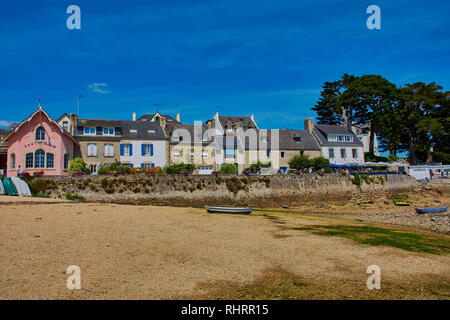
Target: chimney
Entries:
(178, 117)
(252, 117)
(309, 125)
(73, 119)
(211, 124)
(161, 121)
(134, 116)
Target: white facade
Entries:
(143, 153)
(421, 172)
(339, 157)
(365, 139)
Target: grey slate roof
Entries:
(99, 123)
(288, 140)
(321, 132)
(149, 117)
(186, 131)
(142, 128)
(229, 121)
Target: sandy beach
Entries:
(145, 252)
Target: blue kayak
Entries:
(432, 210)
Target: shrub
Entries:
(300, 161)
(38, 174)
(41, 185)
(256, 166)
(320, 163)
(73, 197)
(356, 178)
(77, 166)
(228, 168)
(328, 170)
(179, 168)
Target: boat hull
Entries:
(10, 188)
(431, 210)
(229, 210)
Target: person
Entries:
(18, 171)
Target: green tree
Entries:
(331, 105)
(320, 163)
(370, 97)
(300, 161)
(425, 112)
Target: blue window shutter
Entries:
(142, 165)
(153, 165)
(131, 165)
(151, 149)
(121, 149)
(131, 149)
(143, 149)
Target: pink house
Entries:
(39, 144)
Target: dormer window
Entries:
(297, 139)
(89, 131)
(40, 134)
(108, 131)
(151, 131)
(133, 131)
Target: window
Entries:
(229, 153)
(93, 168)
(127, 149)
(65, 125)
(332, 137)
(40, 134)
(204, 153)
(133, 131)
(151, 131)
(282, 154)
(355, 153)
(176, 153)
(191, 153)
(343, 153)
(109, 150)
(147, 165)
(66, 161)
(50, 160)
(340, 138)
(147, 149)
(39, 159)
(89, 131)
(297, 139)
(348, 138)
(268, 153)
(108, 131)
(12, 161)
(29, 160)
(331, 153)
(92, 150)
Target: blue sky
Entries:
(269, 58)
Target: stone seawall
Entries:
(198, 191)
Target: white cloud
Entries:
(4, 123)
(99, 87)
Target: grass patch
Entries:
(376, 236)
(40, 195)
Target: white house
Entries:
(362, 131)
(144, 145)
(425, 171)
(337, 143)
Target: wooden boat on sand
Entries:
(229, 210)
